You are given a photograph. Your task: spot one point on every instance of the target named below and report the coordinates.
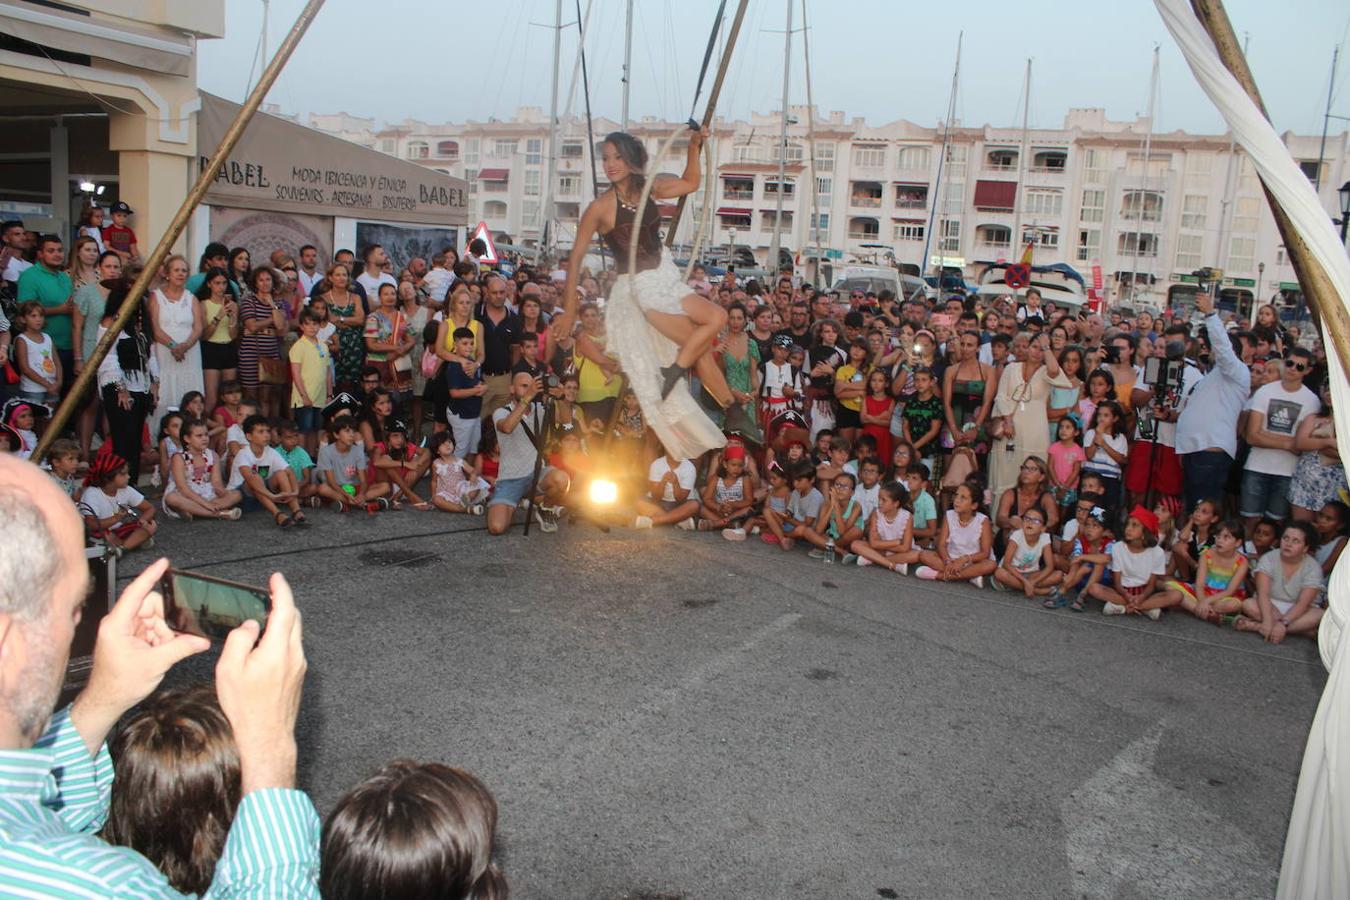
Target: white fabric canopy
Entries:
(1317, 847)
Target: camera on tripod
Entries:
(1207, 278)
(1164, 373)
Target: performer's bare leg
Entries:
(695, 332)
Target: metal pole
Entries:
(1326, 118)
(775, 244)
(1229, 186)
(1148, 150)
(935, 219)
(812, 223)
(1318, 290)
(627, 63)
(550, 171)
(1015, 239)
(161, 252)
(713, 94)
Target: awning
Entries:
(910, 221)
(112, 39)
(733, 211)
(494, 174)
(996, 195)
(284, 167)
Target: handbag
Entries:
(272, 370)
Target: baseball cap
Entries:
(121, 207)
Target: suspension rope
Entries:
(707, 58)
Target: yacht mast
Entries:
(1016, 236)
(627, 62)
(811, 148)
(551, 169)
(1143, 192)
(935, 219)
(772, 263)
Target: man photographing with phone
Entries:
(55, 772)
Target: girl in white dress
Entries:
(965, 543)
(178, 321)
(890, 533)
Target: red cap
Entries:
(1146, 518)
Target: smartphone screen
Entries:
(210, 607)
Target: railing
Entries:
(995, 245)
(863, 235)
(738, 195)
(1000, 167)
(911, 203)
(865, 202)
(1047, 170)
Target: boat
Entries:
(1059, 284)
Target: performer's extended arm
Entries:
(690, 181)
(591, 219)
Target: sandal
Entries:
(1057, 600)
(298, 518)
(283, 519)
(422, 505)
(1077, 604)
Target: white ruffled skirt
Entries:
(683, 427)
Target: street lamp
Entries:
(1345, 208)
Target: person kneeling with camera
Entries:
(56, 767)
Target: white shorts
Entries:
(658, 290)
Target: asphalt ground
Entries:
(664, 714)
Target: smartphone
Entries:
(211, 607)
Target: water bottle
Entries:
(829, 553)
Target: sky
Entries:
(882, 60)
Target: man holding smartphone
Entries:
(57, 775)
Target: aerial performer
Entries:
(657, 325)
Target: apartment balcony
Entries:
(994, 246)
(864, 202)
(737, 195)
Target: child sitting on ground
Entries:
(229, 413)
(965, 542)
(869, 487)
(1330, 523)
(401, 465)
(175, 785)
(262, 476)
(922, 505)
(1220, 580)
(235, 439)
(1137, 562)
(169, 442)
(803, 508)
(776, 500)
(341, 472)
(455, 483)
(839, 524)
(63, 460)
(1166, 510)
(889, 541)
(670, 496)
(1073, 527)
(729, 498)
(840, 451)
(112, 508)
(1196, 536)
(291, 448)
(1029, 560)
(1088, 560)
(195, 486)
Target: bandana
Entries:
(105, 462)
(1146, 518)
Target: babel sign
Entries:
(284, 167)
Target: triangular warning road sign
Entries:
(481, 233)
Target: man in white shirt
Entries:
(374, 258)
(309, 273)
(670, 496)
(1273, 417)
(14, 242)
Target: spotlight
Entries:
(603, 492)
(88, 187)
(100, 190)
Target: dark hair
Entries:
(804, 470)
(309, 315)
(461, 333)
(412, 830)
(368, 250)
(177, 771)
(919, 469)
(286, 426)
(164, 423)
(1309, 533)
(302, 250)
(213, 249)
(897, 491)
(104, 255)
(341, 422)
(1000, 339)
(203, 291)
(45, 239)
(372, 418)
(853, 479)
(439, 438)
(1342, 513)
(238, 252)
(632, 152)
(132, 355)
(230, 386)
(253, 421)
(254, 274)
(1115, 408)
(1232, 526)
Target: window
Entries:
(529, 213)
(471, 176)
(568, 185)
(860, 229)
(1044, 203)
(1001, 159)
(1189, 249)
(534, 151)
(1142, 206)
(471, 152)
(747, 152)
(571, 150)
(1280, 255)
(494, 209)
(820, 226)
(957, 154)
(1089, 244)
(1041, 237)
(1094, 205)
(1137, 243)
(794, 152)
(950, 241)
(532, 180)
(388, 145)
(1241, 254)
(1094, 167)
(767, 217)
(869, 155)
(1049, 160)
(865, 194)
(1312, 169)
(738, 188)
(1157, 165)
(824, 157)
(503, 149)
(1246, 212)
(953, 198)
(771, 188)
(1198, 168)
(914, 157)
(911, 196)
(995, 236)
(824, 188)
(1193, 208)
(448, 150)
(908, 231)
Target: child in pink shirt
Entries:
(1066, 462)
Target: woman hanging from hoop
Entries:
(659, 328)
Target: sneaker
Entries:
(149, 544)
(233, 514)
(476, 509)
(851, 559)
(642, 522)
(547, 517)
(754, 529)
(817, 553)
(902, 568)
(863, 561)
(978, 581)
(927, 573)
(1000, 586)
(1113, 609)
(1154, 614)
(686, 525)
(734, 534)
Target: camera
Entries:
(1207, 278)
(551, 381)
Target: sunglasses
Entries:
(1298, 366)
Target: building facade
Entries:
(1107, 198)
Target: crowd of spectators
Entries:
(1131, 462)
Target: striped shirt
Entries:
(54, 798)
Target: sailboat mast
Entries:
(1326, 118)
(551, 169)
(1022, 158)
(772, 263)
(934, 217)
(1142, 194)
(814, 222)
(627, 62)
(1229, 185)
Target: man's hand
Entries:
(1204, 301)
(259, 689)
(134, 650)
